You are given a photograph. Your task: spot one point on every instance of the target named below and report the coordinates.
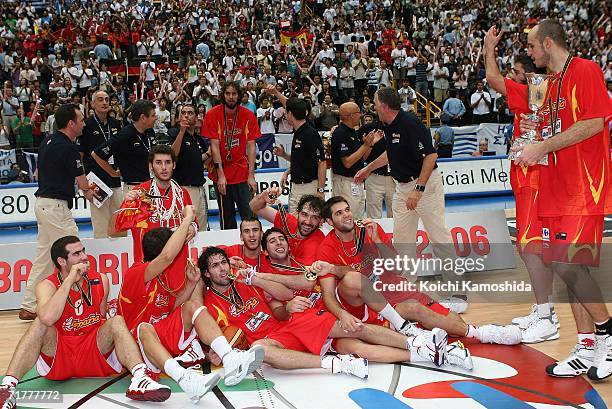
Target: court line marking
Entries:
(275, 392)
(116, 402)
(494, 382)
(397, 371)
(99, 389)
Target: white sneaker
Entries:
(193, 357)
(411, 329)
(541, 330)
(500, 334)
(526, 321)
(457, 354)
(196, 385)
(146, 389)
(455, 304)
(602, 363)
(431, 346)
(577, 363)
(8, 397)
(350, 365)
(238, 364)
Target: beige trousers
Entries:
(101, 216)
(54, 221)
(198, 199)
(377, 189)
(299, 190)
(354, 194)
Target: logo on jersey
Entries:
(162, 300)
(155, 320)
(545, 234)
(78, 308)
(250, 304)
(76, 324)
(256, 321)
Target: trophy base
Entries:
(525, 141)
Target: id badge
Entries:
(354, 189)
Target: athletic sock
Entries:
(138, 371)
(392, 316)
(9, 380)
(221, 346)
(330, 362)
(473, 332)
(604, 328)
(544, 310)
(173, 369)
(586, 339)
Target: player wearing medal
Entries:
(232, 130)
(542, 324)
(352, 246)
(574, 190)
(167, 200)
(303, 231)
(71, 338)
(294, 341)
(165, 320)
(247, 254)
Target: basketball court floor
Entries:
(504, 377)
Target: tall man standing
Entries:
(232, 130)
(191, 155)
(419, 193)
(308, 166)
(98, 130)
(59, 165)
(574, 188)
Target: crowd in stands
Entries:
(173, 51)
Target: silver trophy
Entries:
(539, 87)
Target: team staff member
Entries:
(347, 155)
(574, 189)
(72, 337)
(98, 130)
(130, 147)
(232, 130)
(59, 164)
(419, 193)
(308, 166)
(379, 186)
(191, 156)
(541, 324)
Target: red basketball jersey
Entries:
(304, 250)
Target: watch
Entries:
(420, 188)
(321, 189)
(217, 165)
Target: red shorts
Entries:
(78, 356)
(369, 316)
(306, 332)
(528, 225)
(172, 335)
(572, 239)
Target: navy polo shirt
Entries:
(408, 141)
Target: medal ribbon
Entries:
(555, 114)
(229, 138)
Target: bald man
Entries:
(348, 153)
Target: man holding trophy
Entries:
(574, 189)
(542, 323)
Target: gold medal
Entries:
(310, 275)
(359, 223)
(272, 196)
(228, 157)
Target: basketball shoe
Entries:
(411, 329)
(238, 364)
(525, 321)
(602, 363)
(8, 397)
(455, 303)
(431, 346)
(458, 355)
(144, 388)
(196, 385)
(577, 363)
(499, 334)
(350, 365)
(540, 330)
(193, 357)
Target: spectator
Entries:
(480, 102)
(454, 109)
(483, 146)
(444, 138)
(327, 113)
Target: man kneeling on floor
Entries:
(71, 338)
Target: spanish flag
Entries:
(287, 36)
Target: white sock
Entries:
(392, 316)
(331, 362)
(587, 339)
(9, 380)
(543, 310)
(473, 332)
(138, 371)
(221, 346)
(173, 369)
(413, 345)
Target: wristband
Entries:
(249, 278)
(217, 165)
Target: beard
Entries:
(231, 105)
